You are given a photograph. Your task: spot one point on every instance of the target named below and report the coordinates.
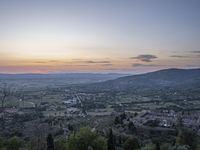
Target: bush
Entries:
(84, 139)
(181, 147)
(14, 143)
(150, 146)
(187, 136)
(60, 144)
(1, 143)
(131, 144)
(166, 146)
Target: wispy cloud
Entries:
(192, 66)
(144, 65)
(195, 51)
(40, 62)
(53, 61)
(77, 65)
(48, 61)
(97, 62)
(145, 57)
(179, 56)
(102, 63)
(107, 64)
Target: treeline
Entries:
(90, 139)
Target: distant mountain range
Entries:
(176, 79)
(62, 78)
(172, 78)
(60, 75)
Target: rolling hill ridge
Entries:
(171, 78)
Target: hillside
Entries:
(171, 78)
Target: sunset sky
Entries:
(124, 36)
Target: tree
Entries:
(180, 147)
(131, 127)
(14, 143)
(1, 143)
(131, 144)
(39, 139)
(119, 119)
(157, 146)
(50, 142)
(43, 94)
(86, 139)
(60, 144)
(187, 136)
(37, 143)
(21, 97)
(4, 93)
(152, 123)
(179, 123)
(150, 146)
(110, 142)
(166, 146)
(156, 142)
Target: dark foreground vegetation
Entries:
(90, 139)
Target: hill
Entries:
(171, 78)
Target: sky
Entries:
(104, 36)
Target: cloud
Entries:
(40, 62)
(77, 65)
(111, 69)
(144, 65)
(102, 63)
(97, 62)
(195, 51)
(145, 57)
(179, 56)
(192, 66)
(53, 61)
(107, 64)
(48, 61)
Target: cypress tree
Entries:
(111, 145)
(50, 142)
